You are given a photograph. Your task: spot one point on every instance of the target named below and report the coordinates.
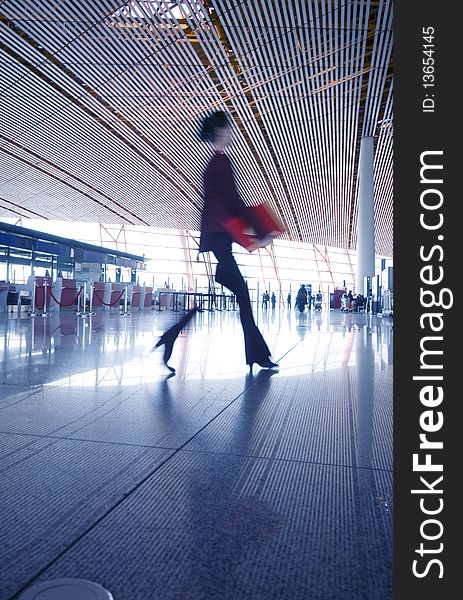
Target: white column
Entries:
(365, 220)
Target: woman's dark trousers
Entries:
(229, 275)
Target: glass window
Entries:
(172, 254)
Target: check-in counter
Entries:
(4, 289)
(165, 297)
(98, 294)
(134, 296)
(113, 293)
(146, 296)
(42, 284)
(68, 296)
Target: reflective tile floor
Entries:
(212, 484)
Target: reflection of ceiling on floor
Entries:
(100, 101)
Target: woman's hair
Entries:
(211, 123)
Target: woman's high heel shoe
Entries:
(168, 341)
(265, 364)
(169, 337)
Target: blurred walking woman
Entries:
(222, 201)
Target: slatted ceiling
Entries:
(87, 190)
(280, 89)
(383, 178)
(110, 101)
(126, 94)
(79, 121)
(379, 62)
(252, 91)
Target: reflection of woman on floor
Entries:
(222, 201)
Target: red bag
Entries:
(242, 233)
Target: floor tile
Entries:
(210, 527)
